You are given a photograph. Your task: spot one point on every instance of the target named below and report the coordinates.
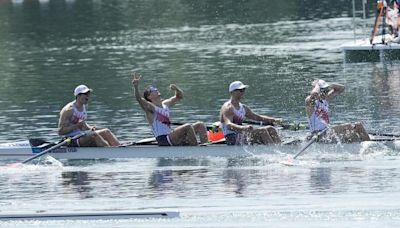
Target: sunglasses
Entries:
(87, 93)
(324, 91)
(152, 89)
(240, 90)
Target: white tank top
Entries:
(77, 117)
(319, 119)
(161, 124)
(238, 117)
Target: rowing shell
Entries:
(22, 150)
(89, 215)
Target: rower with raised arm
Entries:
(317, 109)
(232, 115)
(72, 122)
(157, 113)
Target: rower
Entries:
(233, 113)
(392, 17)
(317, 109)
(157, 113)
(72, 122)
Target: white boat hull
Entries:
(23, 150)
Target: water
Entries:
(278, 48)
(212, 192)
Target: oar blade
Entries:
(14, 165)
(301, 163)
(289, 162)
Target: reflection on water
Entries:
(271, 191)
(164, 162)
(237, 180)
(320, 179)
(187, 180)
(386, 86)
(79, 182)
(159, 179)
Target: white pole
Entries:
(364, 3)
(354, 20)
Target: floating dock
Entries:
(363, 51)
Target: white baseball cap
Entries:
(323, 84)
(81, 89)
(237, 85)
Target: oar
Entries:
(313, 140)
(145, 141)
(180, 124)
(383, 140)
(290, 161)
(65, 141)
(377, 21)
(384, 134)
(287, 126)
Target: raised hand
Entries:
(173, 87)
(314, 83)
(136, 78)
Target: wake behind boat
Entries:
(24, 149)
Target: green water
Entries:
(277, 47)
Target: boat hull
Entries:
(22, 151)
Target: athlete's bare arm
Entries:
(147, 106)
(64, 126)
(310, 101)
(267, 120)
(335, 89)
(227, 115)
(176, 98)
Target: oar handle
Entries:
(65, 141)
(288, 126)
(180, 124)
(146, 141)
(294, 126)
(384, 134)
